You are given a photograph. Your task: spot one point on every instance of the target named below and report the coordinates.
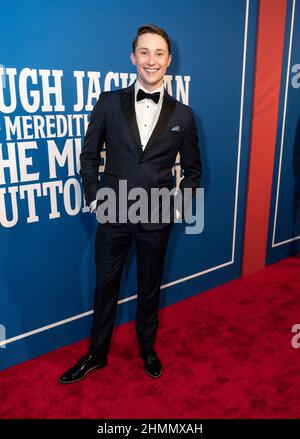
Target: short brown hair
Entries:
(151, 29)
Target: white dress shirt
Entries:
(147, 112)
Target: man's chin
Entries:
(150, 82)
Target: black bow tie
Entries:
(141, 94)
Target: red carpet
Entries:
(226, 353)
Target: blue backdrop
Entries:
(46, 253)
(284, 226)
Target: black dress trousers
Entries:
(112, 244)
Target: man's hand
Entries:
(93, 206)
(177, 214)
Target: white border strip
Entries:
(277, 244)
(184, 279)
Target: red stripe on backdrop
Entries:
(269, 51)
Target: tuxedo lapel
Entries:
(127, 100)
(167, 109)
(128, 106)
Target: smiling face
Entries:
(151, 59)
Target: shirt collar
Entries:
(138, 85)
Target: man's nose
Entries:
(151, 59)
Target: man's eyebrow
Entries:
(146, 48)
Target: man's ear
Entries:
(170, 59)
(132, 57)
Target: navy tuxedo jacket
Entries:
(113, 122)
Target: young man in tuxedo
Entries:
(143, 128)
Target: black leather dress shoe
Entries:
(152, 363)
(84, 365)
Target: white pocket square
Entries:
(177, 128)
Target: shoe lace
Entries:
(150, 355)
(82, 360)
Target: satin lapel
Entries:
(127, 100)
(168, 106)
